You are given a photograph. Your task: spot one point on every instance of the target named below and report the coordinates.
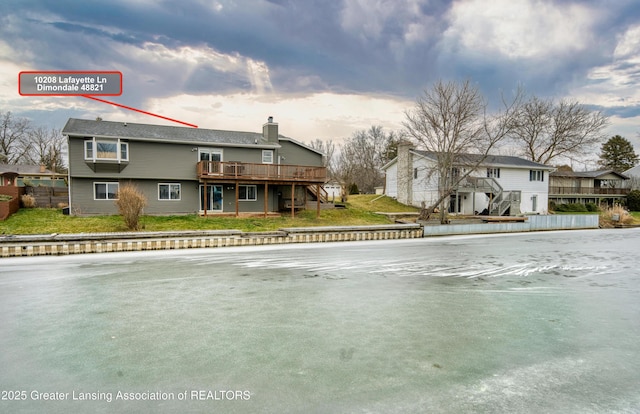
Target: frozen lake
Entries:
(518, 323)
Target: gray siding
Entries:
(82, 202)
(151, 163)
(154, 160)
(298, 155)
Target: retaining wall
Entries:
(63, 244)
(533, 223)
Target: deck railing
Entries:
(588, 190)
(225, 170)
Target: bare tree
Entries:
(328, 148)
(14, 138)
(362, 156)
(46, 148)
(546, 131)
(450, 120)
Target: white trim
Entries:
(94, 149)
(170, 199)
(255, 189)
(106, 183)
(269, 157)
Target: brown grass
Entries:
(608, 216)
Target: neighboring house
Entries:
(502, 185)
(189, 170)
(604, 186)
(634, 178)
(33, 175)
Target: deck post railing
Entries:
(242, 170)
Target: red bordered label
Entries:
(70, 83)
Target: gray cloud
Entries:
(170, 47)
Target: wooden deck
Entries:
(231, 171)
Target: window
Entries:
(247, 193)
(536, 175)
(415, 173)
(493, 172)
(104, 149)
(455, 172)
(168, 191)
(267, 156)
(105, 191)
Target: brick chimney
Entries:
(43, 168)
(270, 131)
(405, 172)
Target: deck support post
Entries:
(266, 198)
(317, 200)
(205, 198)
(237, 199)
(293, 200)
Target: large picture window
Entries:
(105, 191)
(106, 150)
(247, 193)
(168, 191)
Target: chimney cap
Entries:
(270, 119)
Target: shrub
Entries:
(633, 200)
(28, 201)
(592, 207)
(130, 204)
(571, 208)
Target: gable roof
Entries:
(149, 132)
(489, 161)
(22, 169)
(635, 171)
(587, 174)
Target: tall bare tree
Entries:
(14, 138)
(450, 120)
(328, 148)
(546, 131)
(362, 156)
(46, 148)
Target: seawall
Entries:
(65, 244)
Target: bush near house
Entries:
(633, 200)
(570, 208)
(130, 203)
(28, 201)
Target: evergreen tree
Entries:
(618, 154)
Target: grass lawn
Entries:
(360, 210)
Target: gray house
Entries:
(190, 170)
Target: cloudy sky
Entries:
(322, 69)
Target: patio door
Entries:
(214, 198)
(214, 156)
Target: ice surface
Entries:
(519, 323)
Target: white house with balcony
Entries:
(500, 185)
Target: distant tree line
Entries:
(23, 143)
